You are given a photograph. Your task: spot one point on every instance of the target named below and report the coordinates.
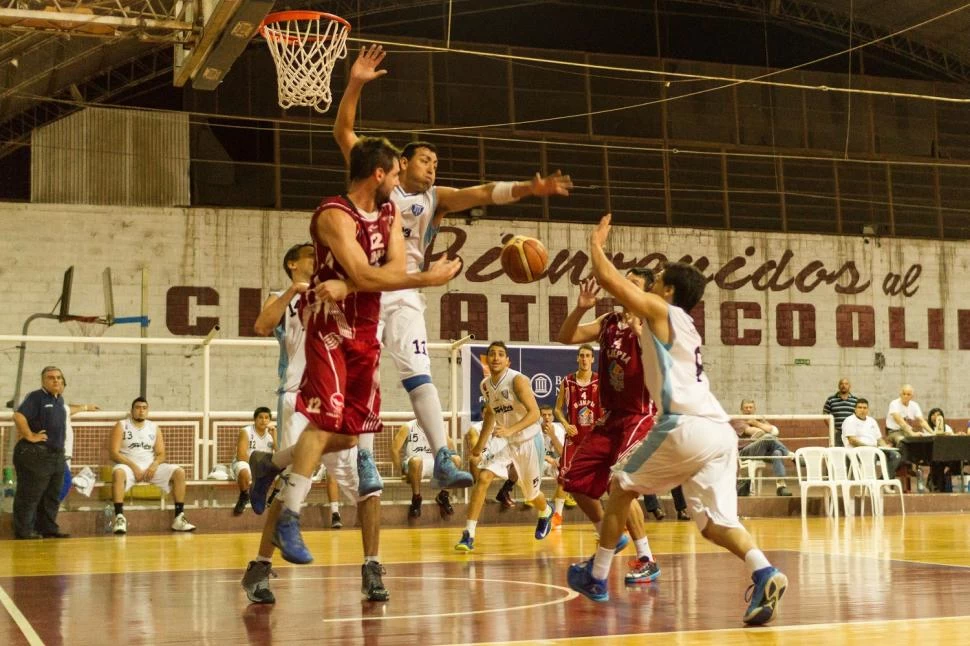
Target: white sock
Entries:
(755, 559)
(284, 458)
(599, 527)
(427, 408)
(297, 488)
(643, 548)
(602, 562)
(334, 507)
(560, 503)
(372, 559)
(546, 511)
(365, 442)
(470, 527)
(263, 559)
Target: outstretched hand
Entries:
(555, 184)
(602, 231)
(365, 69)
(589, 289)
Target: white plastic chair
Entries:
(844, 469)
(754, 469)
(816, 473)
(874, 472)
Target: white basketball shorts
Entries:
(403, 332)
(696, 452)
(162, 478)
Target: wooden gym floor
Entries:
(857, 581)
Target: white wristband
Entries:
(502, 193)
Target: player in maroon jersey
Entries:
(579, 397)
(359, 249)
(627, 416)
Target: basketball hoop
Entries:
(305, 46)
(88, 326)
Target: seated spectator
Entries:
(763, 443)
(862, 430)
(138, 450)
(941, 472)
(411, 454)
(258, 436)
(905, 417)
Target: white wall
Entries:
(229, 250)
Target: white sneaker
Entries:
(180, 524)
(120, 525)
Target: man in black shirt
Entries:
(38, 457)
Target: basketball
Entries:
(524, 259)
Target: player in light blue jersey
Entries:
(422, 206)
(691, 444)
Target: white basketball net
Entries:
(305, 50)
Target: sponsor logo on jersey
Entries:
(417, 210)
(616, 376)
(337, 402)
(498, 410)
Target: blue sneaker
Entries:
(264, 473)
(369, 479)
(622, 543)
(543, 525)
(580, 578)
(764, 594)
(467, 543)
(642, 570)
(447, 474)
(288, 539)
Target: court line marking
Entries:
(18, 618)
(760, 630)
(570, 595)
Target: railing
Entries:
(204, 444)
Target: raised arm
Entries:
(571, 331)
(645, 305)
(452, 200)
(340, 233)
(362, 72)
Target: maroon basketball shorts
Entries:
(341, 390)
(589, 471)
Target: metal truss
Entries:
(806, 13)
(102, 87)
(148, 20)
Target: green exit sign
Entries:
(803, 362)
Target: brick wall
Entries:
(784, 315)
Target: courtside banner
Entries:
(544, 365)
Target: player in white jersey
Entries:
(258, 436)
(692, 442)
(512, 413)
(137, 448)
(412, 456)
(422, 206)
